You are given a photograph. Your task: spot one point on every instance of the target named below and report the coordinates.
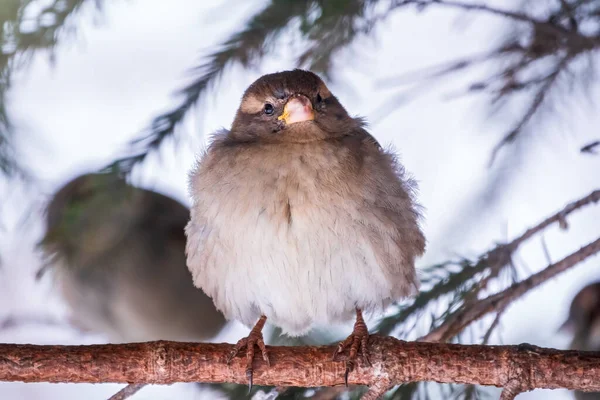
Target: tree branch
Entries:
(559, 217)
(463, 317)
(590, 147)
(489, 266)
(394, 362)
(127, 391)
(518, 16)
(538, 99)
(590, 42)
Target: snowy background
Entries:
(121, 69)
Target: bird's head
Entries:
(78, 214)
(290, 106)
(584, 313)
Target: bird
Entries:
(583, 323)
(300, 217)
(117, 256)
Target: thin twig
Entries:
(535, 105)
(546, 250)
(548, 37)
(469, 7)
(463, 317)
(502, 254)
(493, 326)
(591, 41)
(593, 197)
(127, 391)
(489, 264)
(590, 147)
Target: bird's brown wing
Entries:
(187, 307)
(388, 193)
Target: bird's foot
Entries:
(357, 341)
(254, 338)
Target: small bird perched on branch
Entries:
(583, 323)
(300, 217)
(118, 257)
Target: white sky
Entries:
(111, 79)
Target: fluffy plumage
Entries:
(117, 253)
(302, 222)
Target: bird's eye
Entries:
(319, 98)
(269, 109)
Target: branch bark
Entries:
(394, 362)
(463, 317)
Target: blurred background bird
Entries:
(583, 323)
(117, 256)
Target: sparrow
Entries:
(117, 254)
(300, 217)
(583, 323)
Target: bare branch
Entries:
(590, 147)
(490, 330)
(540, 95)
(591, 41)
(127, 391)
(491, 263)
(560, 216)
(394, 362)
(463, 317)
(469, 7)
(525, 53)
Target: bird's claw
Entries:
(346, 376)
(255, 338)
(249, 377)
(357, 342)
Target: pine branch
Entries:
(245, 48)
(17, 47)
(499, 301)
(531, 45)
(394, 362)
(335, 27)
(541, 94)
(466, 283)
(331, 26)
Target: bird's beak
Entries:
(297, 109)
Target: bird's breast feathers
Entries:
(294, 232)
